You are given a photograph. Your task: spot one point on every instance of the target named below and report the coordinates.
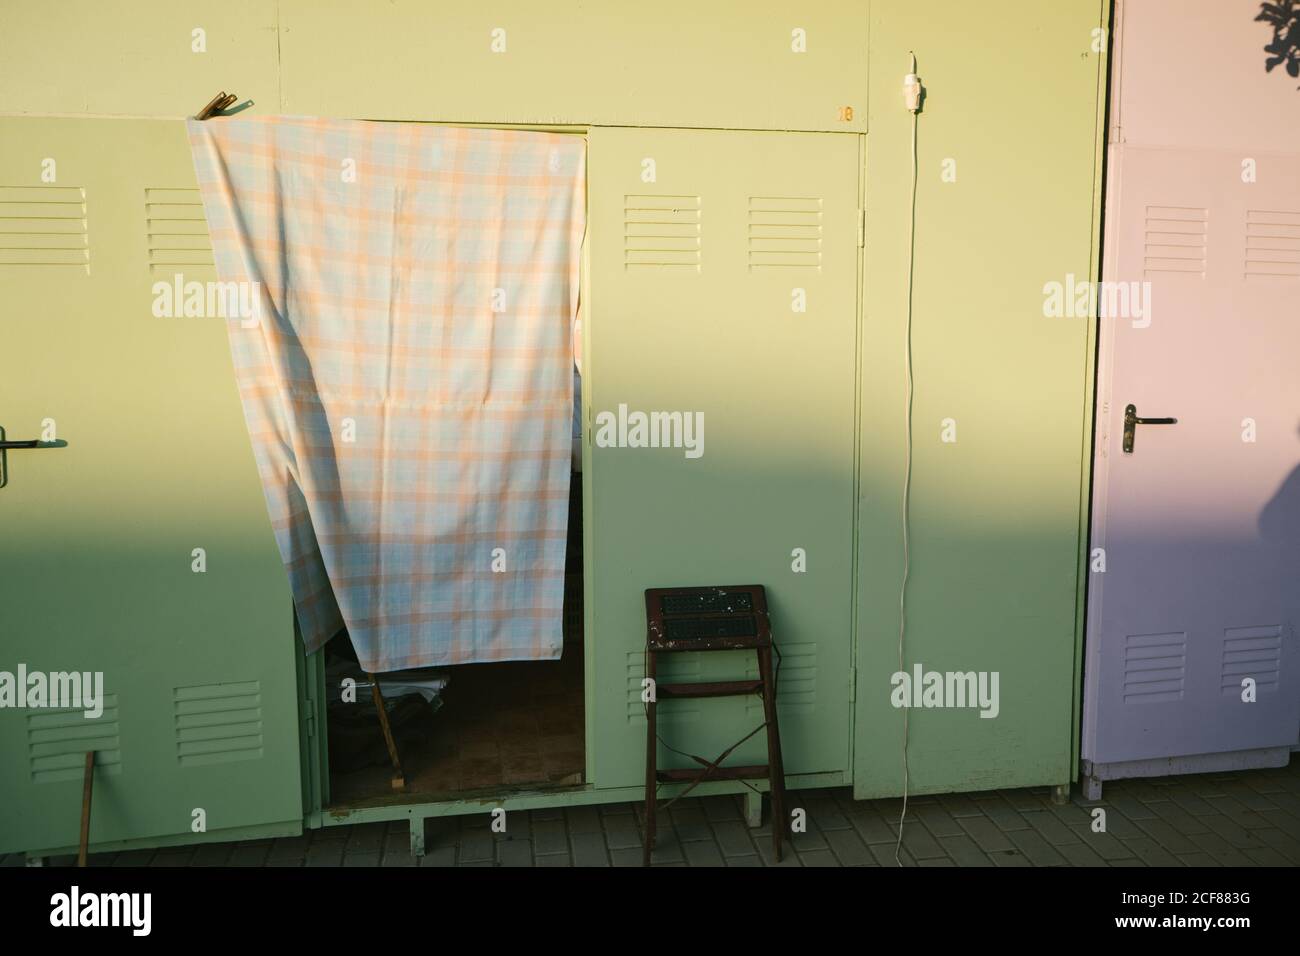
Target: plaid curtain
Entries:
(407, 377)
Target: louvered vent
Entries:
(785, 232)
(57, 741)
(218, 723)
(661, 231)
(1175, 241)
(796, 688)
(1155, 667)
(176, 230)
(1272, 244)
(44, 227)
(1254, 652)
(672, 667)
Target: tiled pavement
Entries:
(1251, 818)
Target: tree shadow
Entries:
(1284, 16)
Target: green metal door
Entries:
(142, 549)
(723, 284)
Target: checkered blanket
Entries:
(408, 381)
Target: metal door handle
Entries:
(1131, 422)
(8, 446)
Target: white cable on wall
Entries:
(912, 99)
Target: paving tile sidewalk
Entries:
(1250, 818)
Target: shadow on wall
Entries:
(1279, 522)
(1284, 16)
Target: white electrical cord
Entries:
(912, 99)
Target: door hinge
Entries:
(853, 684)
(862, 228)
(310, 723)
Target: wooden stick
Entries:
(214, 104)
(399, 778)
(88, 782)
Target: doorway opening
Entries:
(494, 726)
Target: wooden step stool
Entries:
(711, 619)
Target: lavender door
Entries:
(1194, 596)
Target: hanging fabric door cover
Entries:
(406, 375)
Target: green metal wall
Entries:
(1014, 94)
(98, 566)
(694, 281)
(1013, 99)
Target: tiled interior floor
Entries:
(1250, 818)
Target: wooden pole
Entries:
(399, 778)
(88, 782)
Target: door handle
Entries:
(8, 446)
(1131, 422)
(32, 443)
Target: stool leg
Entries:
(776, 772)
(651, 752)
